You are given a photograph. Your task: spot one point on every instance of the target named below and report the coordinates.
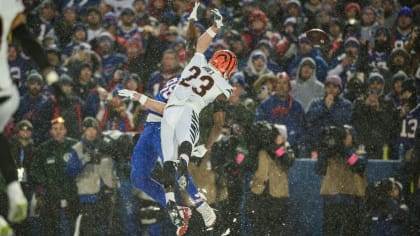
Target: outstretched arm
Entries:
(206, 38)
(144, 100)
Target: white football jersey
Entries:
(200, 84)
(8, 11)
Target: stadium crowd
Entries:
(341, 104)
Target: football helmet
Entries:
(224, 61)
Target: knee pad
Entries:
(185, 148)
(169, 174)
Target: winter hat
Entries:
(34, 77)
(239, 78)
(406, 11)
(375, 76)
(90, 122)
(334, 79)
(352, 41)
(352, 5)
(24, 125)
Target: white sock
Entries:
(170, 196)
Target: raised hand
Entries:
(218, 18)
(193, 15)
(126, 93)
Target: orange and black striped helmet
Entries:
(225, 61)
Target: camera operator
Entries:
(344, 182)
(269, 184)
(95, 179)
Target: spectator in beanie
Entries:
(328, 110)
(36, 107)
(127, 27)
(93, 23)
(371, 113)
(63, 26)
(78, 36)
(404, 27)
(19, 66)
(396, 88)
(84, 81)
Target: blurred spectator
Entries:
(78, 36)
(110, 59)
(310, 10)
(264, 86)
(127, 27)
(335, 31)
(267, 48)
(42, 21)
(156, 8)
(352, 13)
(399, 59)
(96, 104)
(119, 6)
(283, 108)
(19, 66)
(36, 107)
(93, 23)
(294, 9)
(346, 64)
(286, 46)
(306, 86)
(257, 66)
(270, 183)
(328, 110)
(371, 113)
(63, 26)
(394, 95)
(168, 69)
(343, 183)
(240, 111)
(381, 50)
(239, 47)
(95, 178)
(307, 50)
(390, 13)
(404, 27)
(70, 107)
(256, 28)
(83, 81)
(22, 149)
(368, 25)
(56, 194)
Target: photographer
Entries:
(344, 182)
(230, 162)
(95, 179)
(269, 184)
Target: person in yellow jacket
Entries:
(344, 183)
(268, 204)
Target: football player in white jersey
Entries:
(12, 21)
(201, 83)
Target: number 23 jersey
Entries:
(200, 84)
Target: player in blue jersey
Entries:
(148, 150)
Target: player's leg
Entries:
(188, 132)
(178, 215)
(143, 163)
(9, 101)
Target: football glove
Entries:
(5, 229)
(218, 18)
(193, 15)
(199, 151)
(126, 93)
